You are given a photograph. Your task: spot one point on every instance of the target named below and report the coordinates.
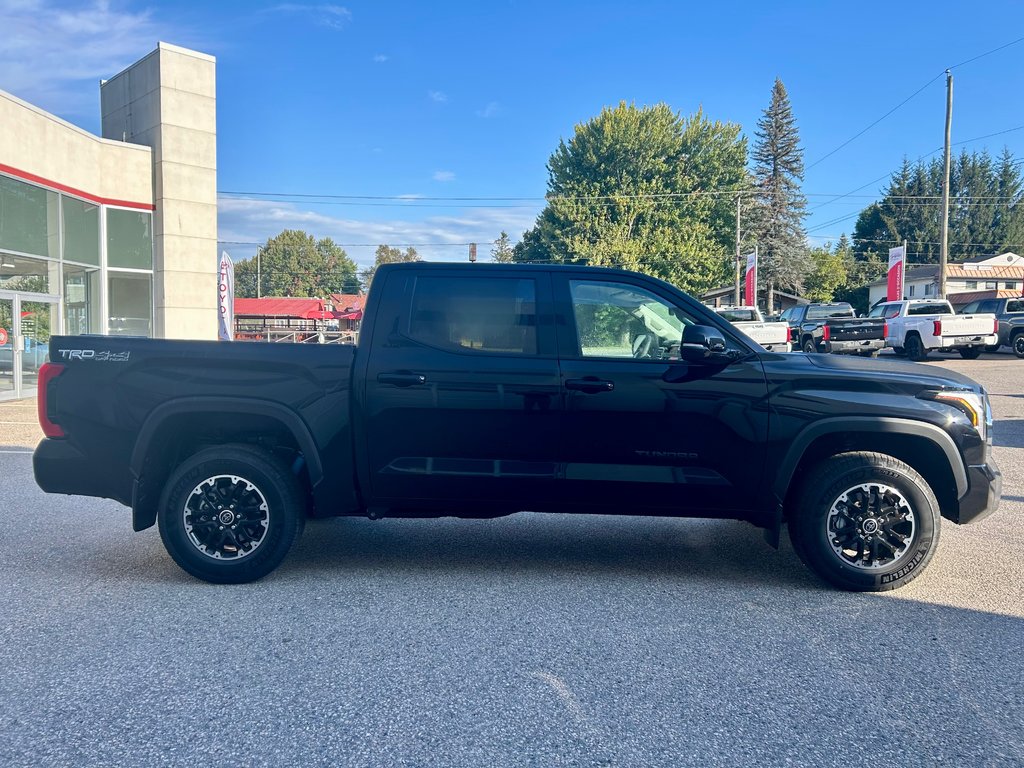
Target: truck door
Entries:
(643, 428)
(463, 400)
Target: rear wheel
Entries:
(914, 348)
(1018, 345)
(808, 346)
(970, 353)
(991, 347)
(865, 522)
(899, 351)
(230, 514)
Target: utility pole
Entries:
(944, 247)
(259, 281)
(736, 293)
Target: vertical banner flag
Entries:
(750, 281)
(226, 298)
(897, 266)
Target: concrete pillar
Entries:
(167, 101)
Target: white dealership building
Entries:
(111, 234)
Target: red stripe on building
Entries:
(26, 176)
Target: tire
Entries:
(809, 346)
(1017, 344)
(218, 481)
(914, 348)
(862, 562)
(991, 347)
(970, 353)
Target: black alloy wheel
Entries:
(865, 522)
(230, 514)
(809, 346)
(1018, 345)
(914, 348)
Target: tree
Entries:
(385, 254)
(986, 215)
(295, 263)
(779, 207)
(629, 190)
(502, 250)
(829, 273)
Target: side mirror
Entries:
(702, 343)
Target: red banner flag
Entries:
(750, 281)
(897, 266)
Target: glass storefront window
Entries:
(21, 273)
(81, 300)
(81, 231)
(129, 239)
(131, 304)
(28, 218)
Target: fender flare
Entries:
(878, 425)
(238, 405)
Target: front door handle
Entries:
(402, 379)
(590, 385)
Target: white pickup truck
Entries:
(772, 336)
(916, 327)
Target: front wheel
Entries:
(865, 522)
(230, 514)
(970, 353)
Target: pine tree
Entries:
(502, 250)
(779, 202)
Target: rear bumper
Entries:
(958, 342)
(855, 346)
(60, 467)
(984, 489)
(784, 347)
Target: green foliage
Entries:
(502, 250)
(779, 204)
(621, 192)
(986, 214)
(385, 254)
(829, 272)
(294, 263)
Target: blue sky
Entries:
(469, 99)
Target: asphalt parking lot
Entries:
(528, 640)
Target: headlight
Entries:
(975, 406)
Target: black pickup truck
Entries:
(1010, 314)
(834, 328)
(482, 390)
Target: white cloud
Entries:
(438, 96)
(490, 110)
(323, 14)
(254, 221)
(444, 176)
(55, 56)
(380, 58)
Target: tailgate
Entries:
(968, 325)
(766, 333)
(855, 329)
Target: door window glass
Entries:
(891, 311)
(1015, 306)
(878, 311)
(478, 314)
(623, 321)
(972, 307)
(988, 306)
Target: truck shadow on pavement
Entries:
(1008, 433)
(531, 543)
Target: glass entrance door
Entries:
(26, 324)
(6, 348)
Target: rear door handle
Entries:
(591, 385)
(402, 379)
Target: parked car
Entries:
(482, 390)
(1010, 313)
(834, 327)
(915, 327)
(772, 336)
